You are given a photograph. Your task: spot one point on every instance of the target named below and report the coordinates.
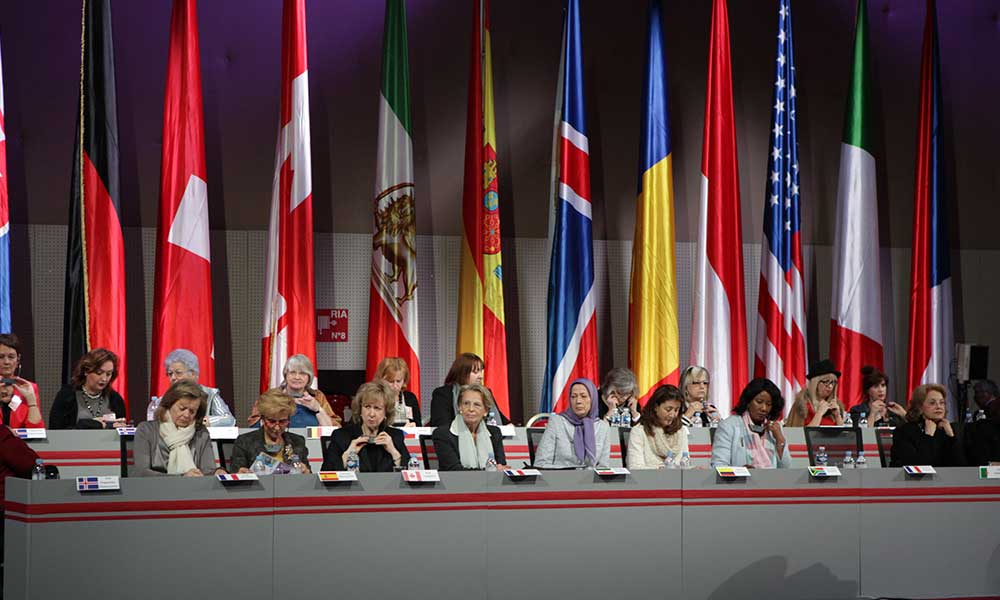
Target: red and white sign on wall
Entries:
(331, 325)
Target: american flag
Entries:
(780, 353)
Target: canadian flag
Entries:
(182, 301)
(289, 296)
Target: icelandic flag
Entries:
(571, 345)
(931, 329)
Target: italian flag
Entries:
(392, 313)
(856, 317)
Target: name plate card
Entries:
(99, 483)
(990, 472)
(337, 476)
(732, 472)
(31, 433)
(314, 433)
(229, 478)
(822, 472)
(412, 432)
(125, 430)
(521, 473)
(223, 433)
(919, 470)
(611, 471)
(508, 431)
(420, 476)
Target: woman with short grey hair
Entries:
(182, 365)
(311, 407)
(619, 391)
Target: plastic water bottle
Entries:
(980, 415)
(861, 463)
(38, 471)
(414, 464)
(669, 461)
(849, 460)
(685, 460)
(821, 457)
(616, 419)
(626, 418)
(491, 419)
(353, 464)
(847, 420)
(713, 423)
(399, 419)
(863, 421)
(968, 415)
(696, 419)
(296, 463)
(491, 463)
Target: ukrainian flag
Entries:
(653, 339)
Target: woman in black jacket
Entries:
(467, 369)
(89, 401)
(378, 447)
(927, 438)
(468, 443)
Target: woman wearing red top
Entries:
(19, 403)
(817, 404)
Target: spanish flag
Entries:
(652, 305)
(481, 328)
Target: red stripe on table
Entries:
(136, 506)
(383, 509)
(478, 497)
(81, 454)
(146, 516)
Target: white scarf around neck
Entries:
(473, 453)
(177, 440)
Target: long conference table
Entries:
(650, 534)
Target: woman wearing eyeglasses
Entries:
(273, 439)
(694, 385)
(817, 404)
(620, 390)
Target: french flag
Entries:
(931, 330)
(571, 346)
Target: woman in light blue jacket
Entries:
(576, 437)
(752, 435)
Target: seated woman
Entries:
(176, 442)
(927, 438)
(698, 410)
(20, 409)
(393, 370)
(182, 365)
(619, 390)
(874, 406)
(982, 438)
(817, 404)
(273, 439)
(467, 368)
(661, 433)
(89, 401)
(752, 435)
(380, 448)
(576, 437)
(469, 443)
(311, 406)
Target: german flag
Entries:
(94, 311)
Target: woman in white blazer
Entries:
(752, 435)
(576, 437)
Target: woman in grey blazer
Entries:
(576, 437)
(176, 441)
(752, 435)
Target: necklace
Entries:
(87, 398)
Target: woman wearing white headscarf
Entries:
(469, 443)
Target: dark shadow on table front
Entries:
(767, 578)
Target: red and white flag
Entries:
(719, 328)
(289, 296)
(182, 300)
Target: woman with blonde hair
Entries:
(378, 447)
(817, 404)
(393, 370)
(273, 438)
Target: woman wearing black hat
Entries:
(817, 404)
